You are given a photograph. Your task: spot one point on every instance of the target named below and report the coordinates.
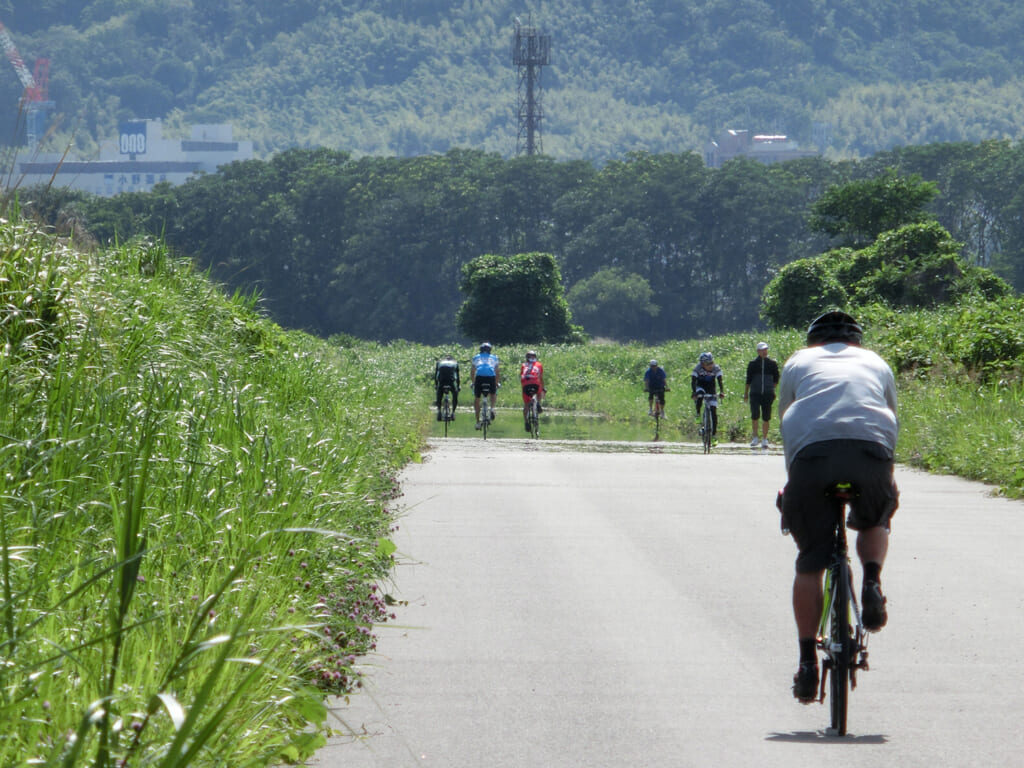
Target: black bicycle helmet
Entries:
(834, 326)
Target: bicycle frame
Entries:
(707, 425)
(446, 409)
(534, 416)
(842, 642)
(485, 408)
(658, 411)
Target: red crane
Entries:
(36, 86)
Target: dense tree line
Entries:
(375, 247)
(396, 77)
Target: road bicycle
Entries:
(707, 424)
(658, 412)
(486, 411)
(533, 412)
(842, 639)
(447, 412)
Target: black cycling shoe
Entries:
(805, 683)
(873, 611)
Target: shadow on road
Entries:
(822, 737)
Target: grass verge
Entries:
(195, 518)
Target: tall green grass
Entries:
(195, 513)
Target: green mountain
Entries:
(411, 77)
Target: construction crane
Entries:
(35, 99)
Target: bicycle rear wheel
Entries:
(488, 413)
(534, 419)
(841, 649)
(446, 412)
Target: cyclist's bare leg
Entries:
(476, 407)
(873, 545)
(807, 603)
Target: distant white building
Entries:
(139, 159)
(768, 148)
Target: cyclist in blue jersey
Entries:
(486, 370)
(655, 385)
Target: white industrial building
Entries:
(139, 159)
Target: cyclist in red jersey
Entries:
(531, 376)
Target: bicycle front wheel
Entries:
(707, 429)
(841, 649)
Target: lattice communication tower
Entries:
(530, 51)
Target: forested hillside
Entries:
(401, 77)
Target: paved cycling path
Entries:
(595, 608)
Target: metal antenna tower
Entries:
(530, 51)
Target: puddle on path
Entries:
(574, 431)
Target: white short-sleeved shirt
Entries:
(836, 392)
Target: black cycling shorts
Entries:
(807, 509)
(761, 405)
(479, 381)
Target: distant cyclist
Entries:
(446, 378)
(531, 376)
(486, 370)
(707, 376)
(655, 385)
(837, 407)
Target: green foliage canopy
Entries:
(614, 303)
(374, 247)
(914, 266)
(859, 211)
(515, 299)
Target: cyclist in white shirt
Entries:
(837, 410)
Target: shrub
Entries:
(801, 291)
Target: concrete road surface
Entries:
(576, 605)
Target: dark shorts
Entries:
(761, 405)
(479, 382)
(659, 393)
(807, 509)
(442, 388)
